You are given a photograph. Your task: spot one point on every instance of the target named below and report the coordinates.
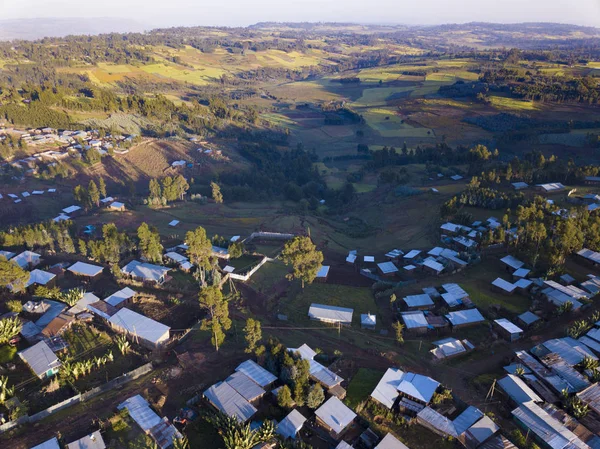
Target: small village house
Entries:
(42, 361)
(334, 416)
(139, 328)
(507, 330)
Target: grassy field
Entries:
(359, 299)
(362, 385)
(513, 104)
(389, 124)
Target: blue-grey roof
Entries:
(331, 313)
(528, 318)
(518, 390)
(569, 349)
(386, 390)
(257, 373)
(418, 386)
(245, 386)
(465, 317)
(466, 419)
(291, 424)
(55, 309)
(230, 402)
(414, 320)
(418, 300)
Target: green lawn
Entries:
(85, 339)
(361, 386)
(360, 299)
(7, 353)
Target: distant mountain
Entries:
(31, 29)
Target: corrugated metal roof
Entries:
(569, 290)
(291, 424)
(591, 396)
(330, 313)
(386, 390)
(324, 375)
(139, 325)
(40, 358)
(529, 318)
(305, 351)
(590, 255)
(504, 285)
(508, 326)
(335, 414)
(83, 303)
(140, 411)
(85, 269)
(323, 271)
(418, 300)
(257, 373)
(548, 429)
(450, 346)
(92, 441)
(230, 402)
(465, 317)
(466, 419)
(414, 320)
(387, 267)
(390, 442)
(50, 444)
(481, 430)
(456, 290)
(118, 297)
(590, 343)
(438, 421)
(245, 386)
(521, 272)
(569, 349)
(434, 265)
(418, 386)
(176, 257)
(518, 390)
(512, 262)
(412, 254)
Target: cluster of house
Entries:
(55, 317)
(536, 382)
(18, 198)
(243, 391)
(556, 292)
(436, 261)
(69, 212)
(412, 395)
(92, 441)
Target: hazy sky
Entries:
(152, 13)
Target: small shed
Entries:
(464, 318)
(121, 298)
(415, 322)
(507, 329)
(291, 425)
(49, 444)
(140, 328)
(245, 386)
(567, 279)
(173, 223)
(390, 442)
(118, 206)
(512, 263)
(91, 441)
(418, 302)
(502, 286)
(257, 373)
(528, 319)
(42, 361)
(322, 273)
(520, 185)
(368, 321)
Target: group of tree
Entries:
(149, 243)
(12, 275)
(481, 197)
(217, 319)
(90, 197)
(49, 235)
(304, 258)
(166, 190)
(113, 245)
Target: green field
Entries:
(362, 385)
(513, 104)
(360, 299)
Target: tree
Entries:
(302, 255)
(180, 186)
(9, 328)
(216, 192)
(398, 329)
(284, 397)
(13, 275)
(211, 299)
(82, 247)
(236, 250)
(150, 246)
(252, 334)
(102, 187)
(316, 396)
(155, 190)
(93, 193)
(199, 250)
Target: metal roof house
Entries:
(503, 286)
(335, 416)
(42, 361)
(446, 427)
(464, 318)
(390, 442)
(145, 272)
(386, 391)
(245, 386)
(140, 328)
(512, 262)
(290, 425)
(449, 347)
(82, 305)
(257, 373)
(27, 259)
(158, 428)
(368, 321)
(528, 318)
(517, 390)
(85, 269)
(318, 372)
(40, 277)
(591, 256)
(387, 268)
(226, 399)
(330, 314)
(415, 321)
(91, 441)
(547, 429)
(121, 297)
(49, 444)
(102, 309)
(507, 329)
(422, 301)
